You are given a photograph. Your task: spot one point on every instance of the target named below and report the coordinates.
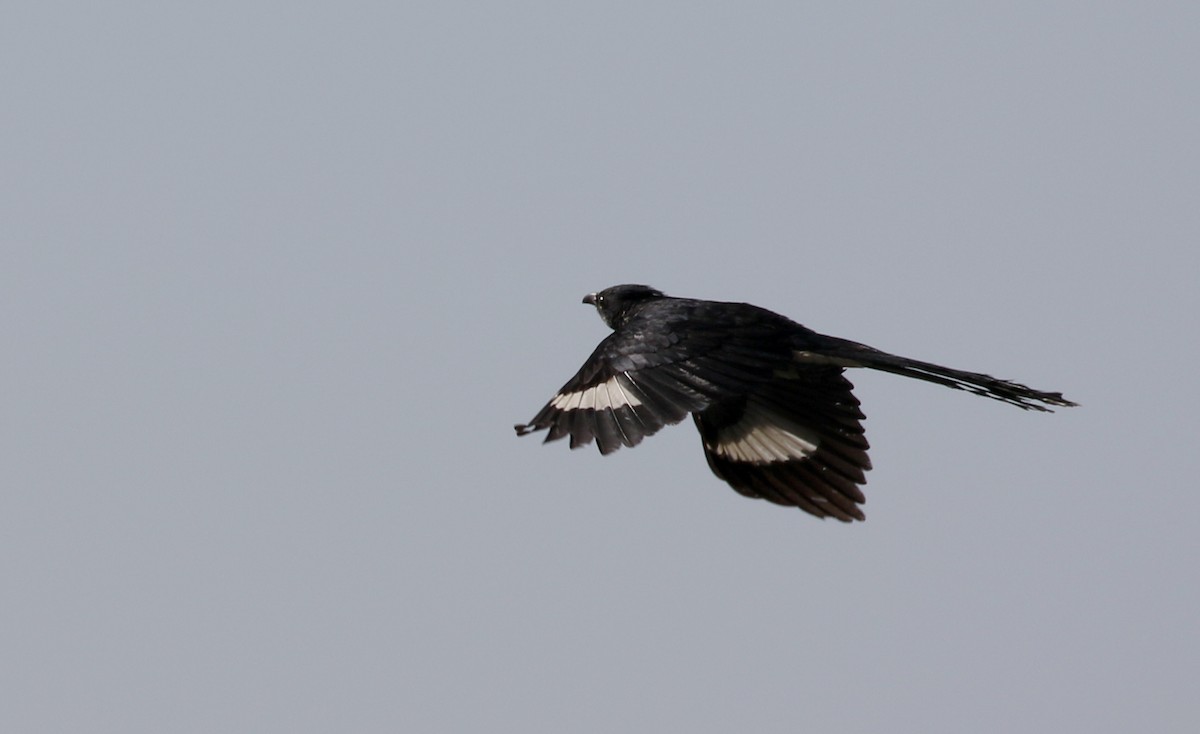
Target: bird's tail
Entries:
(846, 353)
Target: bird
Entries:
(776, 414)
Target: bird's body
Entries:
(775, 412)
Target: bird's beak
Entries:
(590, 299)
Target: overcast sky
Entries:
(277, 279)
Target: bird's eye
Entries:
(599, 299)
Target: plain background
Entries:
(277, 280)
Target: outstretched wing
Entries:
(796, 441)
(655, 370)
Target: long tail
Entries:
(852, 354)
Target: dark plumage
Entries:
(774, 410)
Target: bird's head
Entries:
(616, 304)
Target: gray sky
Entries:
(278, 278)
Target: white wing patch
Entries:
(608, 395)
(764, 436)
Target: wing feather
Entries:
(796, 440)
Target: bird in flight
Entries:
(770, 398)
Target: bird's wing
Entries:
(655, 370)
(796, 441)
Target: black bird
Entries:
(774, 409)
